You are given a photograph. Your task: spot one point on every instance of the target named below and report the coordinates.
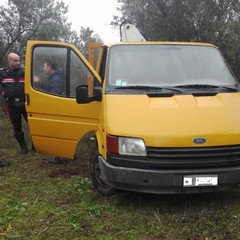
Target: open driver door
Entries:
(56, 121)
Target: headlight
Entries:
(131, 146)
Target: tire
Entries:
(96, 177)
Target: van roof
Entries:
(160, 43)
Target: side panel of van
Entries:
(56, 121)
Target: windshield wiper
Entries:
(234, 89)
(141, 87)
(207, 86)
(149, 88)
(197, 86)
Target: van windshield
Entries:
(162, 65)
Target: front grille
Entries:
(201, 157)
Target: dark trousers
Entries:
(15, 111)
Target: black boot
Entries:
(4, 164)
(21, 140)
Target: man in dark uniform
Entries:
(12, 82)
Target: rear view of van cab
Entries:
(165, 115)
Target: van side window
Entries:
(49, 70)
(79, 74)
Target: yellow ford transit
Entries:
(165, 115)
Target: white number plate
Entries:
(200, 180)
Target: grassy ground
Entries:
(42, 201)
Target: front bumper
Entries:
(165, 181)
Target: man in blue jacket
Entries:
(55, 82)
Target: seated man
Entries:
(55, 82)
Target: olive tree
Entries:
(21, 20)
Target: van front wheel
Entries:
(96, 176)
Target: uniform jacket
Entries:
(12, 82)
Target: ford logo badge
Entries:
(199, 140)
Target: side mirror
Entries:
(83, 97)
(82, 94)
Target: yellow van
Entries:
(166, 115)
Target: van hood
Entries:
(176, 121)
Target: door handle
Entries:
(27, 98)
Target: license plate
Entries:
(200, 180)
